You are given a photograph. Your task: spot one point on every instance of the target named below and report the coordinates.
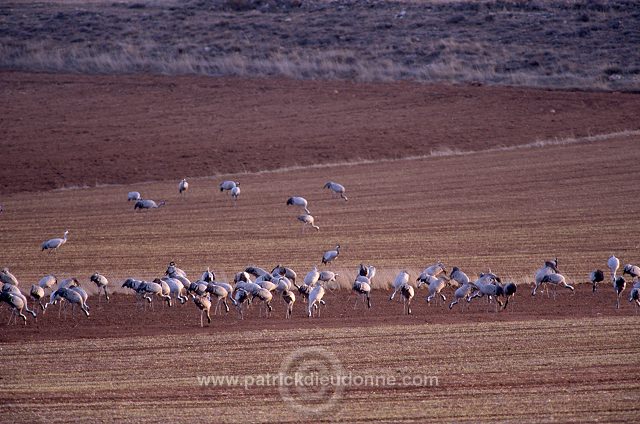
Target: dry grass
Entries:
(582, 44)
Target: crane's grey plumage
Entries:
(146, 289)
(508, 291)
(401, 279)
(613, 263)
(596, 277)
(221, 294)
(327, 276)
(102, 283)
(284, 271)
(174, 272)
(330, 255)
(48, 281)
(37, 294)
(550, 267)
(183, 186)
(16, 303)
(54, 243)
(228, 185)
(619, 286)
(315, 300)
(133, 195)
(204, 304)
(289, 298)
(71, 296)
(312, 276)
(303, 290)
(556, 280)
(634, 296)
(336, 188)
(298, 201)
(256, 271)
(7, 277)
(407, 292)
(632, 270)
(208, 276)
(235, 193)
(308, 220)
(148, 204)
(433, 270)
(362, 287)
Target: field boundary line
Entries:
(447, 152)
(434, 153)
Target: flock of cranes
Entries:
(256, 285)
(233, 187)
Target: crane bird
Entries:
(508, 291)
(208, 276)
(6, 277)
(556, 280)
(16, 303)
(596, 277)
(401, 280)
(71, 296)
(632, 270)
(284, 271)
(133, 195)
(330, 255)
(228, 185)
(148, 204)
(407, 292)
(307, 220)
(37, 294)
(549, 267)
(235, 193)
(634, 296)
(102, 282)
(315, 300)
(204, 304)
(434, 270)
(619, 286)
(327, 276)
(336, 189)
(289, 298)
(613, 263)
(183, 186)
(312, 277)
(54, 243)
(48, 281)
(298, 201)
(362, 287)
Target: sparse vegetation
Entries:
(539, 43)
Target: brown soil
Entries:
(123, 315)
(543, 360)
(69, 130)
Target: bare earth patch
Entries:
(68, 130)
